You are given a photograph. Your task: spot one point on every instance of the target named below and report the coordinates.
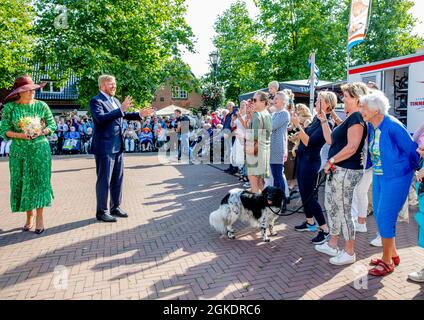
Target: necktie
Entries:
(112, 102)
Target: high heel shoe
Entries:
(39, 231)
(26, 228)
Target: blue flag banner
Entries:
(317, 71)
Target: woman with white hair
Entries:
(273, 88)
(392, 153)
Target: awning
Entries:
(300, 88)
(169, 110)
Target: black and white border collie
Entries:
(259, 210)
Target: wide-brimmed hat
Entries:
(22, 84)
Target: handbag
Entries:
(256, 143)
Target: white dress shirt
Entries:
(111, 100)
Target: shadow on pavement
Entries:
(192, 259)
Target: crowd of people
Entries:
(74, 132)
(369, 147)
(268, 140)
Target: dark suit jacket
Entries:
(107, 133)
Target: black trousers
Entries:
(307, 177)
(110, 174)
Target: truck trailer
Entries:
(402, 80)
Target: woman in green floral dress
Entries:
(30, 155)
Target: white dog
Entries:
(260, 210)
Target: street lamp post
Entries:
(214, 59)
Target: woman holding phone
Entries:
(308, 164)
(345, 160)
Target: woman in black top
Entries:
(308, 164)
(347, 142)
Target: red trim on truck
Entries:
(386, 65)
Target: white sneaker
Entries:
(417, 276)
(361, 227)
(377, 242)
(343, 258)
(325, 248)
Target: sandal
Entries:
(39, 231)
(376, 261)
(26, 228)
(382, 269)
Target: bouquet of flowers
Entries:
(31, 126)
(211, 93)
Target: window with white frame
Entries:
(52, 87)
(179, 93)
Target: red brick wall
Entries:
(194, 99)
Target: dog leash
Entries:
(323, 178)
(314, 193)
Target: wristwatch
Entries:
(332, 161)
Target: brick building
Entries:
(60, 99)
(63, 99)
(168, 94)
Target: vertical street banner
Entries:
(358, 22)
(312, 80)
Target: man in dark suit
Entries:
(107, 146)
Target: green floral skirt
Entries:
(30, 174)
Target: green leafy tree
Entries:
(179, 73)
(242, 52)
(294, 28)
(276, 45)
(137, 41)
(16, 18)
(389, 33)
(298, 27)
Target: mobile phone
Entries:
(320, 106)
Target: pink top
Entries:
(215, 121)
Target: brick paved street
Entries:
(167, 250)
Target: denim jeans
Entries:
(129, 145)
(277, 174)
(184, 146)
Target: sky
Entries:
(202, 14)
